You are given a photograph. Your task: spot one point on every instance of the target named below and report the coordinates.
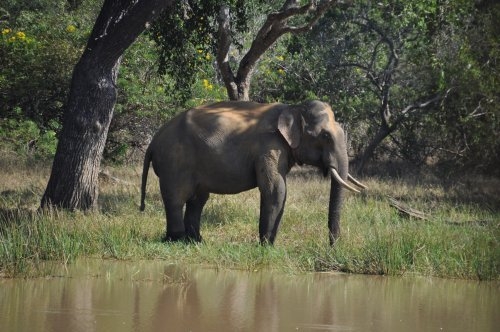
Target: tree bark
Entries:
(73, 183)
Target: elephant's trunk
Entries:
(336, 193)
(338, 182)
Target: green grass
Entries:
(459, 240)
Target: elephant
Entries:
(234, 146)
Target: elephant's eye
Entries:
(326, 136)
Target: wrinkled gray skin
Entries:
(230, 147)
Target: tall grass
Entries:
(460, 239)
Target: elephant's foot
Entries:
(174, 236)
(194, 238)
(182, 237)
(267, 240)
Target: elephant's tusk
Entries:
(356, 182)
(337, 177)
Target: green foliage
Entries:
(187, 39)
(26, 137)
(469, 61)
(448, 48)
(39, 49)
(40, 43)
(182, 34)
(272, 75)
(441, 46)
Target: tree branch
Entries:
(419, 105)
(224, 44)
(368, 71)
(118, 25)
(317, 13)
(275, 26)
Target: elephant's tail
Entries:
(145, 170)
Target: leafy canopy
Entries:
(187, 36)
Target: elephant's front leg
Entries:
(272, 186)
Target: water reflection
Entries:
(155, 296)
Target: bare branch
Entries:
(476, 112)
(425, 103)
(417, 106)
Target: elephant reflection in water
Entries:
(219, 301)
(211, 302)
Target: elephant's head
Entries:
(317, 139)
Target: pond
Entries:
(96, 295)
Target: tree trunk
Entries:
(359, 163)
(73, 183)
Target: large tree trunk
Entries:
(73, 182)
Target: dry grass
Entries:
(459, 240)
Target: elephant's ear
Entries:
(289, 126)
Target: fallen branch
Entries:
(105, 176)
(405, 210)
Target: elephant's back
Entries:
(230, 118)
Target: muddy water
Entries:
(146, 296)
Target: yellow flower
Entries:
(21, 35)
(207, 85)
(280, 58)
(208, 56)
(12, 39)
(281, 71)
(71, 28)
(199, 51)
(6, 31)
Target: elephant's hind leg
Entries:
(173, 211)
(192, 216)
(175, 226)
